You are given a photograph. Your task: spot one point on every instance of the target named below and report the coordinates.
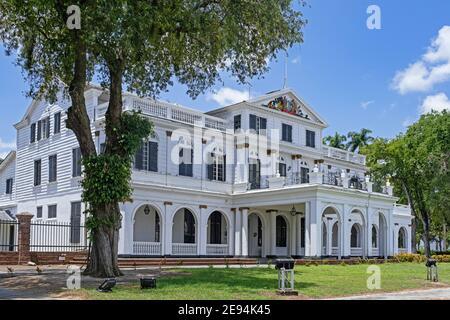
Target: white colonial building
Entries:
(250, 179)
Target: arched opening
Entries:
(382, 235)
(255, 235)
(184, 233)
(147, 231)
(402, 240)
(374, 238)
(281, 236)
(331, 232)
(217, 236)
(356, 240)
(324, 239)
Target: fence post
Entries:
(24, 219)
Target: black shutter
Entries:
(262, 124)
(48, 127)
(252, 122)
(210, 171)
(290, 133)
(153, 156)
(75, 222)
(224, 168)
(33, 133)
(139, 158)
(313, 139)
(57, 123)
(39, 130)
(190, 166)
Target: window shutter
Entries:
(210, 171)
(262, 124)
(224, 168)
(252, 122)
(39, 130)
(139, 159)
(48, 127)
(153, 156)
(33, 133)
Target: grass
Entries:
(260, 283)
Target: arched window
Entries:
(355, 237)
(281, 232)
(335, 235)
(402, 238)
(374, 237)
(215, 228)
(189, 227)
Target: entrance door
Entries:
(255, 238)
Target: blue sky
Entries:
(354, 77)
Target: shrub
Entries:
(410, 257)
(441, 258)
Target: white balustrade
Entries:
(356, 252)
(217, 249)
(343, 155)
(147, 248)
(184, 249)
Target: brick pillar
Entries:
(24, 219)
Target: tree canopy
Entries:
(417, 162)
(143, 46)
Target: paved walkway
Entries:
(432, 294)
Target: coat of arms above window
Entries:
(288, 105)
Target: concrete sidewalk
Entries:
(431, 294)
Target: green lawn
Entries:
(260, 283)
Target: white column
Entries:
(168, 226)
(122, 234)
(231, 234)
(395, 238)
(329, 236)
(369, 232)
(345, 238)
(202, 232)
(244, 232)
(307, 243)
(294, 236)
(390, 234)
(273, 232)
(315, 227)
(297, 221)
(237, 232)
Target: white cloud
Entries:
(296, 60)
(5, 148)
(433, 68)
(438, 102)
(365, 104)
(226, 96)
(7, 145)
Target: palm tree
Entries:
(336, 141)
(359, 139)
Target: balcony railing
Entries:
(184, 249)
(217, 249)
(343, 155)
(147, 248)
(164, 110)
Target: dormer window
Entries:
(43, 129)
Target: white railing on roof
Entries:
(167, 111)
(345, 155)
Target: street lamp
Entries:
(147, 210)
(294, 212)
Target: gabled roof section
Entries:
(9, 158)
(287, 101)
(284, 101)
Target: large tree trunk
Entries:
(103, 260)
(413, 235)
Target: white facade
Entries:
(316, 203)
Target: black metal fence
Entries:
(51, 236)
(9, 231)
